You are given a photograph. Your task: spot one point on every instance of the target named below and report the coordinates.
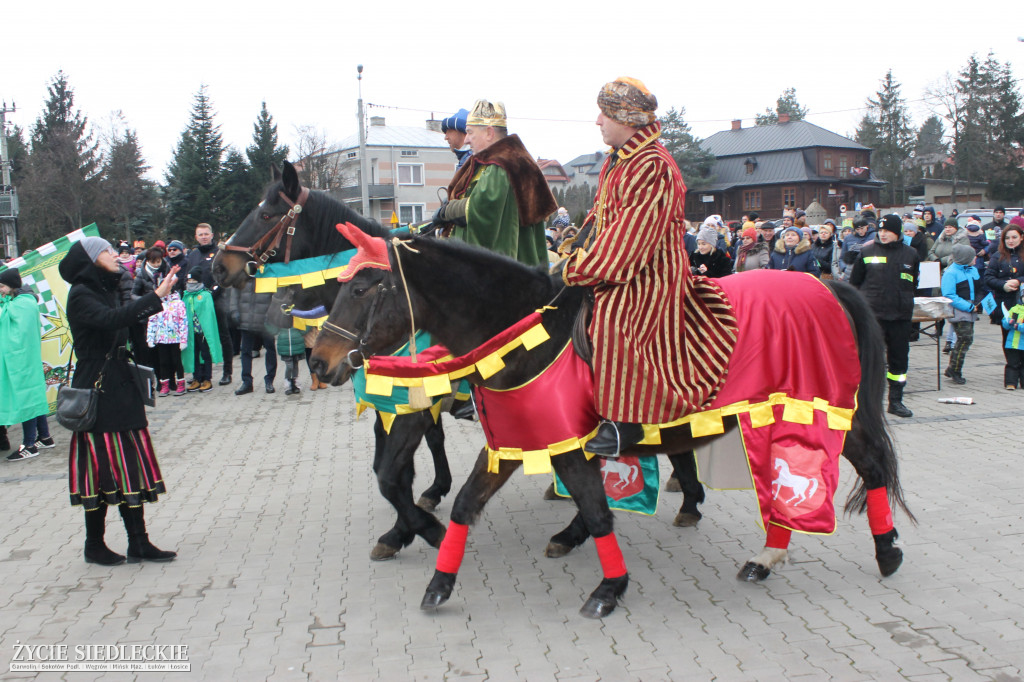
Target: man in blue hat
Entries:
(454, 129)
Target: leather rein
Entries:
(267, 245)
(387, 286)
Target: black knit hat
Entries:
(196, 273)
(11, 277)
(892, 223)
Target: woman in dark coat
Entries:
(114, 463)
(1005, 274)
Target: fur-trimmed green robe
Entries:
(22, 384)
(200, 304)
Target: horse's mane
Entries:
(507, 287)
(324, 211)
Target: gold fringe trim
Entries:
(441, 384)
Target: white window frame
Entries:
(414, 219)
(412, 173)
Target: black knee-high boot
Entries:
(96, 551)
(139, 546)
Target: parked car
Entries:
(984, 215)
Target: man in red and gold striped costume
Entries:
(662, 338)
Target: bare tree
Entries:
(947, 100)
(320, 165)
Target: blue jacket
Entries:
(1013, 322)
(958, 286)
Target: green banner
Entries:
(38, 269)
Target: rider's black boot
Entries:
(613, 438)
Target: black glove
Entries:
(438, 219)
(452, 213)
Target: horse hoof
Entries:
(753, 573)
(597, 609)
(427, 503)
(382, 552)
(438, 591)
(888, 556)
(432, 600)
(889, 562)
(550, 494)
(556, 550)
(605, 598)
(687, 519)
(672, 485)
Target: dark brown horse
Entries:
(314, 235)
(481, 294)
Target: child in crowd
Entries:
(960, 284)
(203, 336)
(291, 348)
(1013, 322)
(167, 332)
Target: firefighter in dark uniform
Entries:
(886, 272)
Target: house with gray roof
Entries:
(788, 165)
(407, 167)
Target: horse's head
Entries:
(369, 315)
(236, 261)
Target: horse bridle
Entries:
(266, 246)
(384, 287)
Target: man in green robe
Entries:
(500, 199)
(22, 384)
(204, 349)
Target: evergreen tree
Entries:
(992, 127)
(786, 104)
(886, 129)
(130, 199)
(17, 153)
(694, 162)
(60, 185)
(930, 138)
(264, 152)
(235, 191)
(194, 172)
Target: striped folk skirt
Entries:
(114, 468)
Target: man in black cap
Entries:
(886, 272)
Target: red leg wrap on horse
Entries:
(778, 537)
(879, 512)
(612, 563)
(453, 547)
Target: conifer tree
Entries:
(694, 162)
(59, 190)
(786, 104)
(193, 177)
(130, 199)
(886, 128)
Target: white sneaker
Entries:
(23, 453)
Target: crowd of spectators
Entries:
(200, 325)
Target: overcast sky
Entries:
(545, 60)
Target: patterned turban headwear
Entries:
(628, 101)
(485, 113)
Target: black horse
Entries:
(482, 294)
(314, 235)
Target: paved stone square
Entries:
(273, 510)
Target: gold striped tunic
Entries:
(662, 338)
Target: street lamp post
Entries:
(364, 189)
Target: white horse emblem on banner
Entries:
(627, 473)
(803, 488)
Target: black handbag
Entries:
(76, 407)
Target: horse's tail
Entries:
(869, 420)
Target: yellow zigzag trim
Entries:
(268, 285)
(441, 384)
(707, 423)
